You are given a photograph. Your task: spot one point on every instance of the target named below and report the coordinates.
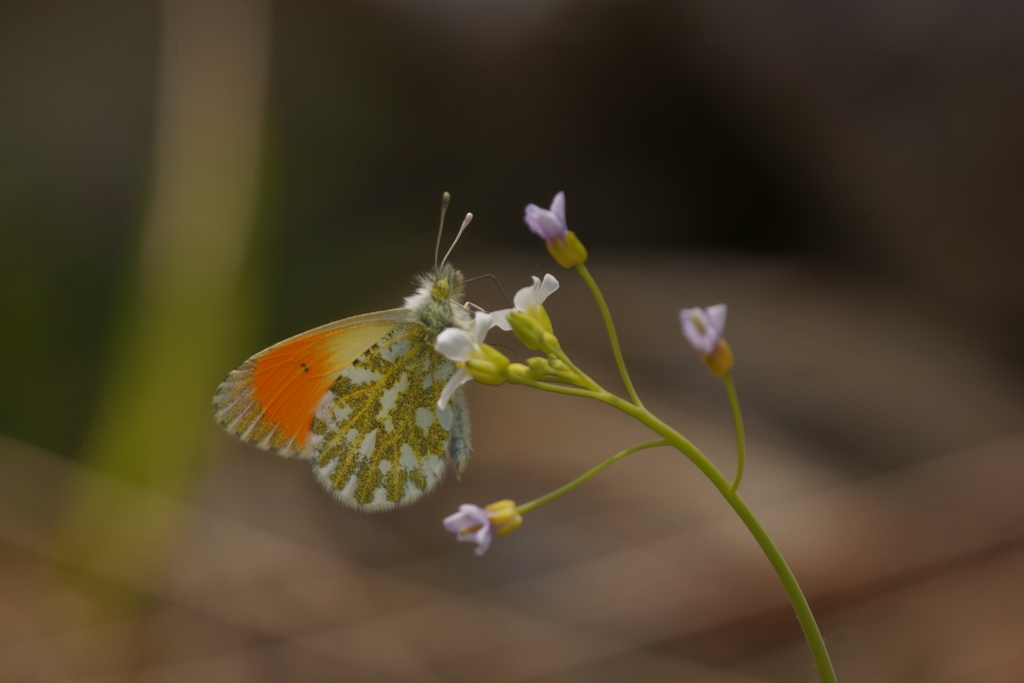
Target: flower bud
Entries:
(529, 330)
(519, 371)
(550, 340)
(539, 366)
(559, 366)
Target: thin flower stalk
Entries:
(673, 438)
(562, 490)
(737, 416)
(612, 336)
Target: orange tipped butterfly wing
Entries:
(357, 397)
(270, 400)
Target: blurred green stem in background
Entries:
(184, 317)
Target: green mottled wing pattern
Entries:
(379, 440)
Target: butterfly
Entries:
(358, 398)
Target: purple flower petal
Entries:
(468, 517)
(703, 328)
(548, 224)
(558, 208)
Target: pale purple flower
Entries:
(527, 299)
(471, 523)
(703, 327)
(548, 224)
(457, 345)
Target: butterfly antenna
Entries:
(469, 217)
(445, 198)
(496, 281)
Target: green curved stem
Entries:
(796, 597)
(671, 437)
(741, 447)
(536, 503)
(606, 314)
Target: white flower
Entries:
(471, 523)
(703, 327)
(527, 300)
(457, 345)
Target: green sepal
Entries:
(545, 321)
(721, 359)
(486, 372)
(568, 251)
(488, 365)
(494, 355)
(528, 329)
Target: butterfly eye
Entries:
(442, 289)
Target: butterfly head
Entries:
(446, 283)
(437, 302)
(441, 289)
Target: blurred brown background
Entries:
(184, 182)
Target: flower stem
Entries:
(734, 403)
(536, 503)
(606, 314)
(671, 437)
(576, 376)
(554, 388)
(796, 597)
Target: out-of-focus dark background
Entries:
(182, 183)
